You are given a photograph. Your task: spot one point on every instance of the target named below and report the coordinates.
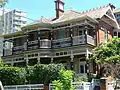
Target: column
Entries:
(27, 60)
(38, 58)
(12, 62)
(86, 33)
(52, 59)
(3, 48)
(26, 42)
(87, 62)
(72, 61)
(71, 35)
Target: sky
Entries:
(36, 9)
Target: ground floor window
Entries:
(83, 67)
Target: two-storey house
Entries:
(69, 38)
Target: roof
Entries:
(43, 20)
(92, 13)
(97, 12)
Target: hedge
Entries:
(12, 75)
(39, 73)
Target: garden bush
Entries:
(64, 81)
(41, 73)
(12, 75)
(38, 74)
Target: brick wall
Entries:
(101, 32)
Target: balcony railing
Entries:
(61, 42)
(33, 47)
(45, 43)
(79, 40)
(90, 40)
(18, 48)
(32, 42)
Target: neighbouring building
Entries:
(69, 38)
(11, 22)
(117, 15)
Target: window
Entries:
(61, 34)
(83, 67)
(119, 34)
(115, 33)
(44, 34)
(81, 31)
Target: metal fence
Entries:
(25, 87)
(76, 85)
(86, 86)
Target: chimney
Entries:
(112, 6)
(59, 5)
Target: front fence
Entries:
(25, 87)
(76, 85)
(86, 86)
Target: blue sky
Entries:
(37, 8)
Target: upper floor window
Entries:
(32, 36)
(44, 34)
(81, 32)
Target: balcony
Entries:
(32, 42)
(18, 49)
(65, 42)
(45, 43)
(33, 47)
(90, 40)
(79, 40)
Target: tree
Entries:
(3, 2)
(107, 56)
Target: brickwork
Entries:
(101, 31)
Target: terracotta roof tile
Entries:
(92, 13)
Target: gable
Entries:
(109, 18)
(110, 14)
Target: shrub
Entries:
(80, 78)
(41, 73)
(12, 75)
(65, 80)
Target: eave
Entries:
(74, 20)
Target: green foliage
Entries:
(107, 52)
(41, 73)
(107, 56)
(80, 78)
(65, 79)
(12, 75)
(1, 63)
(3, 2)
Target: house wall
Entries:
(101, 32)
